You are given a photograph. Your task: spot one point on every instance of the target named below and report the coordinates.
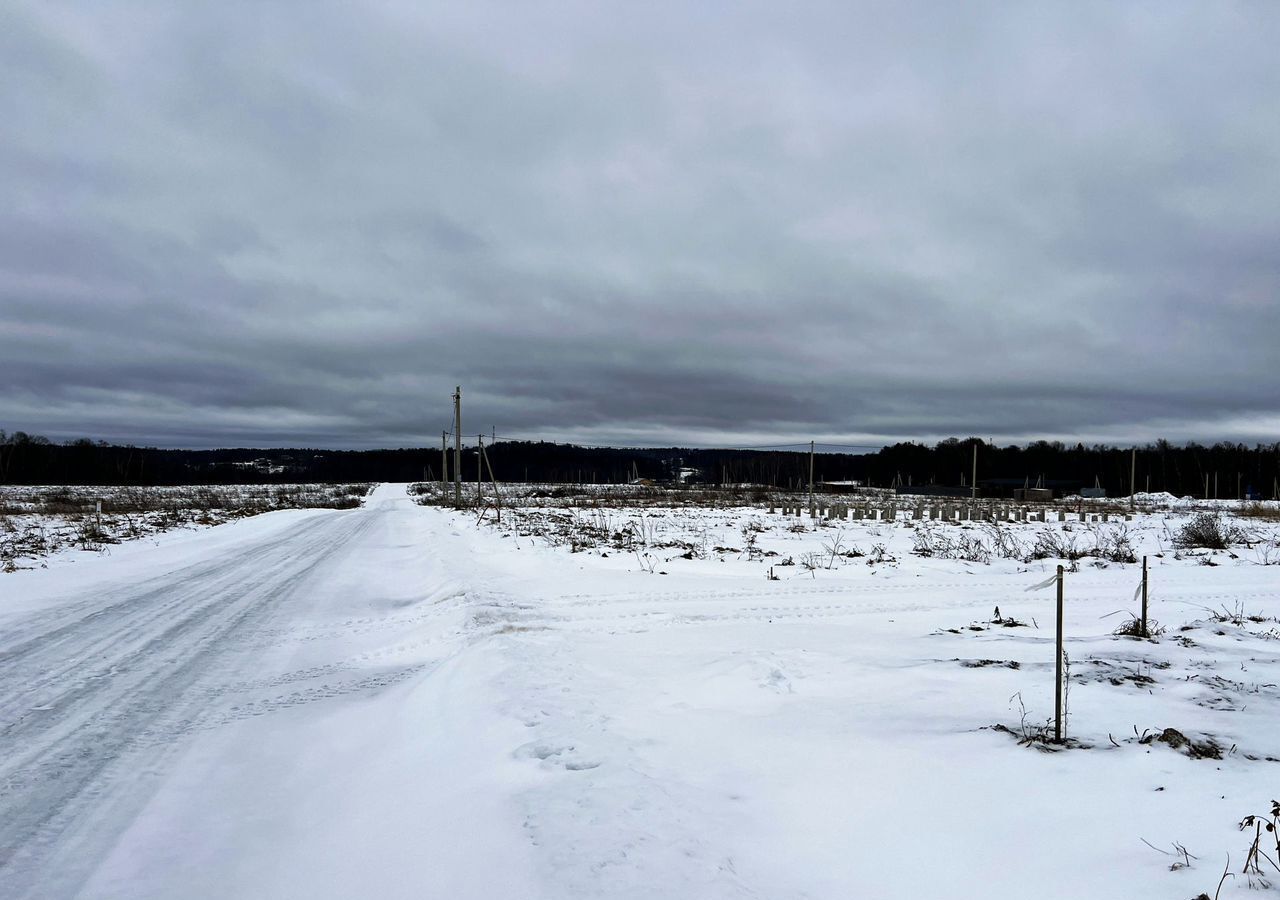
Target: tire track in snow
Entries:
(121, 679)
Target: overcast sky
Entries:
(646, 223)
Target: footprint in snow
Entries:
(554, 755)
(779, 682)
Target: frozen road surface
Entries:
(390, 702)
(160, 708)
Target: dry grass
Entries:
(629, 496)
(1260, 511)
(38, 521)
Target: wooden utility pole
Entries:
(811, 508)
(457, 447)
(1133, 476)
(497, 495)
(974, 479)
(479, 471)
(444, 459)
(1057, 696)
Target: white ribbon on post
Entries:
(1052, 579)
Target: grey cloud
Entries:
(304, 223)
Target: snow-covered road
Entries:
(390, 702)
(117, 678)
(103, 683)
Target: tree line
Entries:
(1227, 470)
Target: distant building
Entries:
(1028, 489)
(839, 487)
(1033, 495)
(934, 490)
(678, 472)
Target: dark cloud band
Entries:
(303, 223)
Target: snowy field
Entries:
(397, 701)
(39, 522)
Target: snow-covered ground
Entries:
(395, 701)
(39, 522)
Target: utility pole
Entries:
(444, 459)
(479, 471)
(1133, 475)
(457, 447)
(974, 479)
(811, 477)
(497, 495)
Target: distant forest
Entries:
(1230, 470)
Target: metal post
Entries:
(1144, 597)
(1057, 696)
